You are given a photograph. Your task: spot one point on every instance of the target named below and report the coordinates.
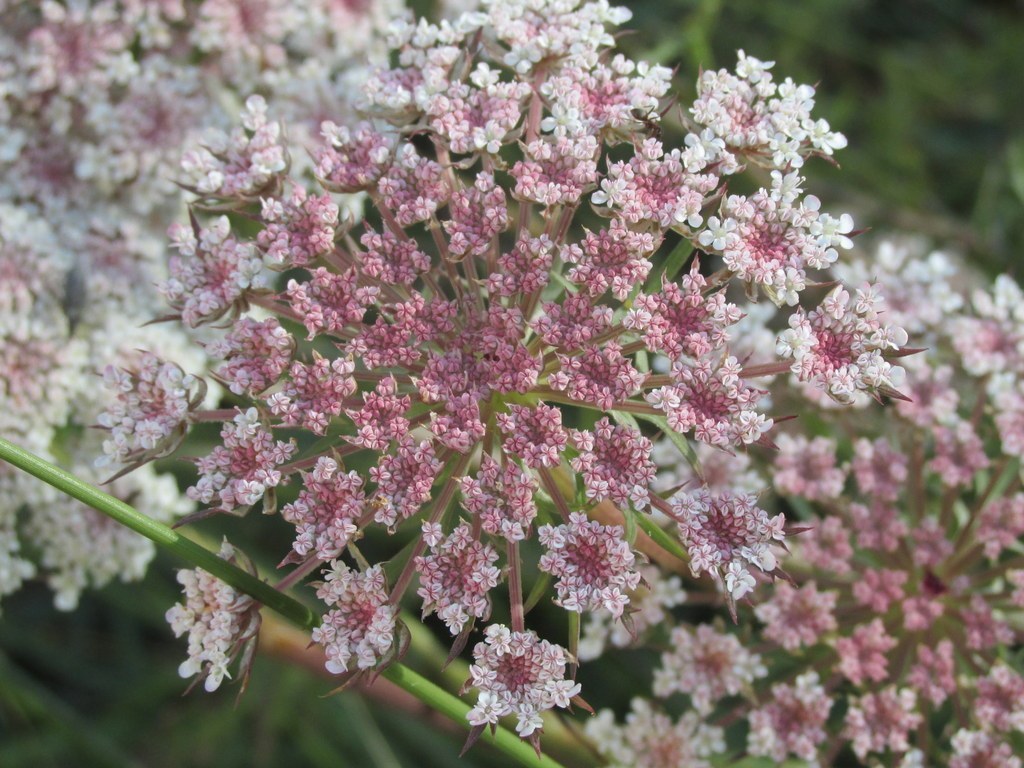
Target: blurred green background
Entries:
(928, 92)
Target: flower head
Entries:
(517, 673)
(478, 321)
(727, 533)
(359, 628)
(218, 619)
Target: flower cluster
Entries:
(490, 348)
(841, 345)
(724, 533)
(887, 643)
(517, 673)
(220, 622)
(98, 101)
(58, 317)
(359, 628)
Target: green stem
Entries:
(158, 533)
(661, 538)
(280, 603)
(442, 701)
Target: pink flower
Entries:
(933, 677)
(878, 588)
(404, 480)
(681, 319)
(878, 526)
(615, 258)
(299, 229)
(592, 564)
(984, 630)
(517, 673)
(465, 319)
(798, 617)
(150, 413)
(615, 463)
(863, 655)
(990, 341)
(959, 454)
(880, 469)
(247, 163)
(213, 273)
(1001, 524)
(238, 473)
(706, 665)
(525, 269)
(534, 435)
(792, 722)
(808, 468)
(326, 512)
(352, 159)
(712, 400)
(360, 627)
(570, 325)
(473, 119)
(219, 622)
(651, 739)
(881, 721)
(456, 577)
(654, 186)
(827, 546)
(330, 302)
(980, 749)
(381, 418)
(502, 498)
(314, 394)
(413, 187)
(557, 171)
(601, 377)
(840, 345)
(725, 533)
(478, 215)
(256, 354)
(391, 260)
(75, 47)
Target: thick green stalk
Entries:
(289, 608)
(158, 533)
(437, 698)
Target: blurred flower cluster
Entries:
(483, 365)
(890, 639)
(98, 101)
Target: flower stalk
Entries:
(158, 533)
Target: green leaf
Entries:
(172, 540)
(563, 281)
(456, 709)
(673, 264)
(803, 507)
(1015, 158)
(661, 538)
(643, 364)
(1012, 470)
(678, 440)
(540, 587)
(626, 419)
(629, 516)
